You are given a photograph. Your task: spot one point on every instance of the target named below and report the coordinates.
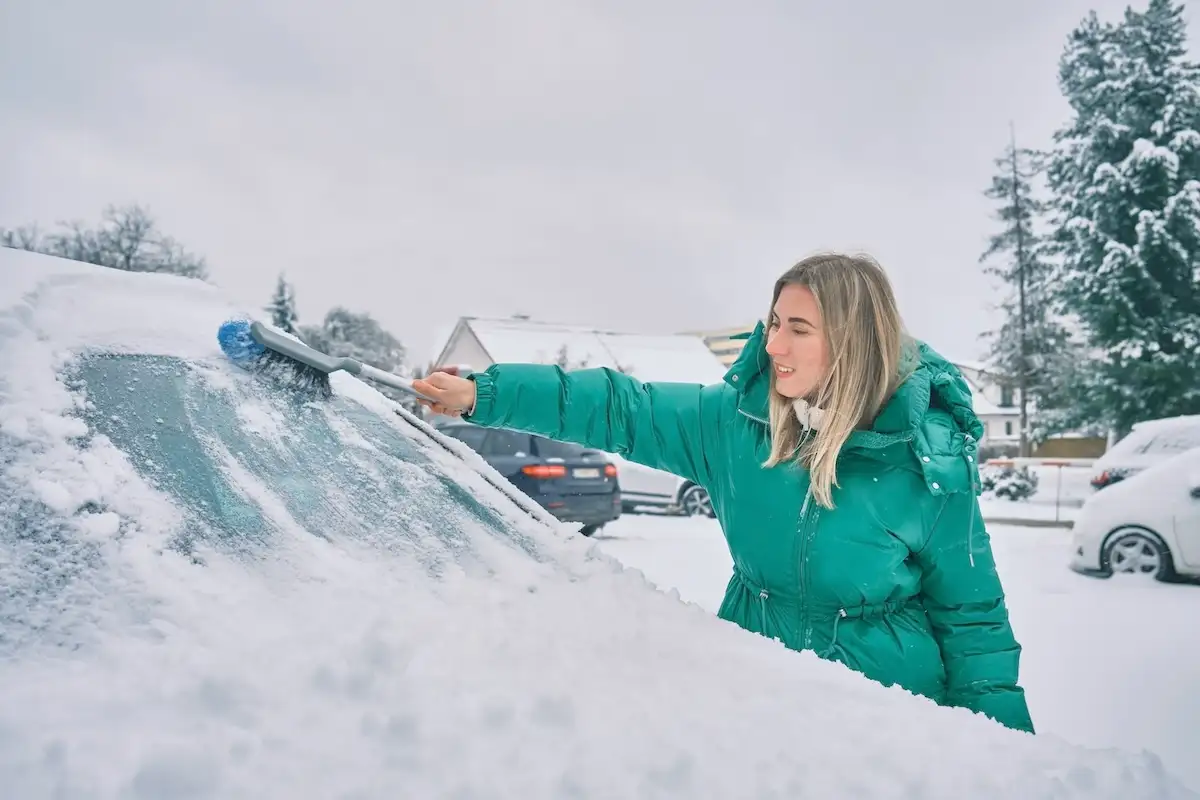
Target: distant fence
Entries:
(1039, 462)
(1072, 447)
(1077, 487)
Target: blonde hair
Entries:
(865, 338)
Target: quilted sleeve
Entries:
(674, 427)
(965, 602)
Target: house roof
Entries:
(648, 357)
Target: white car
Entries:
(1146, 524)
(646, 487)
(217, 585)
(1147, 443)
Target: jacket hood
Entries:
(928, 425)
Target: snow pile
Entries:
(381, 622)
(252, 685)
(1064, 621)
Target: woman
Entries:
(839, 455)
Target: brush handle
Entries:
(386, 378)
(327, 363)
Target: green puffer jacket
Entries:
(896, 582)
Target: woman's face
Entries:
(796, 342)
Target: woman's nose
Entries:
(774, 344)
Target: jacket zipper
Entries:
(748, 415)
(808, 517)
(807, 528)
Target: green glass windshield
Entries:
(250, 463)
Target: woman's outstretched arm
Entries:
(674, 427)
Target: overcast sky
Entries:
(648, 166)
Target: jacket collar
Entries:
(932, 382)
(749, 377)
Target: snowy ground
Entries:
(1106, 662)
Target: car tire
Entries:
(1137, 551)
(590, 530)
(694, 501)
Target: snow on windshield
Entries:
(1158, 438)
(281, 600)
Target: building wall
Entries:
(988, 386)
(1000, 427)
(1072, 447)
(466, 349)
(724, 348)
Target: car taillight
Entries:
(610, 470)
(545, 470)
(1101, 479)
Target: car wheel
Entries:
(1136, 551)
(695, 502)
(588, 530)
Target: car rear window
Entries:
(1173, 441)
(508, 443)
(549, 448)
(471, 436)
(1158, 440)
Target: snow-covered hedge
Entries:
(1009, 482)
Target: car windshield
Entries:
(1173, 441)
(1159, 440)
(248, 463)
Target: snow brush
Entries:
(257, 348)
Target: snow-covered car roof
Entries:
(359, 649)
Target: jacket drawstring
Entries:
(864, 612)
(763, 594)
(971, 471)
(828, 651)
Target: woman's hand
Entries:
(453, 395)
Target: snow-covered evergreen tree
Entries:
(360, 336)
(282, 307)
(1030, 342)
(1126, 179)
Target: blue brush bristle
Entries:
(237, 343)
(240, 346)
